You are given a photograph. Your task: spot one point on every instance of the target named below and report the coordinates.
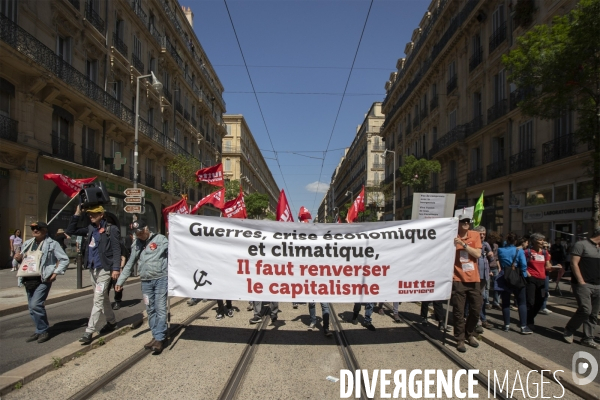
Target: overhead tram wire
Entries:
(256, 97)
(343, 96)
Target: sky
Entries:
(310, 71)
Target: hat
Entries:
(138, 224)
(96, 209)
(60, 230)
(464, 213)
(40, 224)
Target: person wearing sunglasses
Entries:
(52, 261)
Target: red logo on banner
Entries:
(217, 199)
(235, 208)
(69, 186)
(284, 213)
(211, 175)
(357, 206)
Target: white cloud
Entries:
(318, 187)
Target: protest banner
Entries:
(240, 259)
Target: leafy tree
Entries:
(417, 173)
(368, 215)
(256, 204)
(232, 189)
(344, 211)
(184, 168)
(270, 216)
(557, 67)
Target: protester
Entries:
(510, 256)
(52, 261)
(585, 265)
(544, 310)
(15, 247)
(483, 264)
(125, 253)
(257, 307)
(313, 318)
(368, 322)
(538, 266)
(150, 252)
(466, 284)
(102, 256)
(438, 314)
(60, 238)
(494, 240)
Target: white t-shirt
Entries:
(16, 241)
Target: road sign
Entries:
(134, 192)
(135, 209)
(135, 200)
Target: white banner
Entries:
(241, 259)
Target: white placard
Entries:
(432, 205)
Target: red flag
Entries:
(69, 186)
(217, 199)
(235, 208)
(284, 213)
(304, 214)
(211, 175)
(339, 221)
(180, 207)
(357, 206)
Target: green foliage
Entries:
(232, 189)
(184, 168)
(270, 216)
(101, 341)
(417, 173)
(19, 385)
(57, 362)
(256, 204)
(344, 211)
(368, 215)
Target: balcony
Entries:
(561, 147)
(476, 59)
(475, 177)
(374, 183)
(416, 121)
(433, 103)
(424, 113)
(186, 115)
(522, 161)
(496, 170)
(62, 148)
(155, 33)
(388, 179)
(167, 93)
(473, 126)
(120, 45)
(119, 172)
(518, 96)
(90, 158)
(497, 110)
(455, 135)
(94, 18)
(408, 129)
(75, 3)
(452, 84)
(137, 63)
(178, 107)
(150, 180)
(378, 147)
(451, 185)
(137, 9)
(497, 37)
(193, 122)
(378, 166)
(166, 44)
(8, 129)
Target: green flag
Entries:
(478, 211)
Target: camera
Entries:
(93, 194)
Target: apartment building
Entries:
(68, 76)
(362, 165)
(450, 100)
(243, 160)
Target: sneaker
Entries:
(43, 337)
(86, 338)
(219, 316)
(506, 328)
(311, 327)
(369, 326)
(460, 346)
(397, 319)
(587, 343)
(230, 313)
(255, 320)
(526, 331)
(116, 305)
(295, 305)
(472, 341)
(479, 329)
(250, 307)
(33, 338)
(354, 321)
(568, 337)
(108, 328)
(424, 321)
(327, 332)
(443, 328)
(545, 311)
(487, 325)
(193, 302)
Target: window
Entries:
(563, 125)
(137, 47)
(152, 64)
(60, 127)
(500, 86)
(498, 149)
(451, 70)
(475, 159)
(185, 143)
(452, 120)
(151, 116)
(166, 80)
(563, 193)
(8, 8)
(424, 145)
(88, 138)
(91, 70)
(149, 166)
(433, 90)
(177, 137)
(7, 94)
(452, 170)
(228, 165)
(434, 134)
(477, 107)
(498, 18)
(165, 127)
(585, 189)
(526, 136)
(476, 44)
(117, 90)
(115, 147)
(63, 48)
(120, 28)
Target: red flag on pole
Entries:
(180, 207)
(217, 199)
(211, 175)
(284, 213)
(304, 214)
(235, 208)
(69, 186)
(357, 206)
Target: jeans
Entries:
(313, 314)
(521, 304)
(37, 310)
(588, 306)
(496, 294)
(547, 288)
(155, 293)
(461, 293)
(100, 282)
(258, 307)
(368, 311)
(535, 297)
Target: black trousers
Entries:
(220, 306)
(118, 295)
(535, 292)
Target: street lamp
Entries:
(156, 85)
(384, 155)
(351, 195)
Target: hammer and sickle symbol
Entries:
(199, 282)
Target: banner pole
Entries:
(69, 202)
(446, 321)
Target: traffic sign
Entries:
(134, 192)
(135, 209)
(135, 200)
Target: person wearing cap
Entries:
(585, 265)
(102, 256)
(150, 251)
(53, 262)
(466, 282)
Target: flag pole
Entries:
(65, 206)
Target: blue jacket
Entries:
(507, 254)
(54, 259)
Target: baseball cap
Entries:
(97, 209)
(40, 224)
(138, 224)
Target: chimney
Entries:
(189, 15)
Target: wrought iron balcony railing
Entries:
(451, 185)
(475, 177)
(9, 129)
(496, 170)
(150, 180)
(62, 148)
(155, 33)
(90, 158)
(178, 107)
(497, 110)
(476, 59)
(378, 166)
(522, 161)
(120, 44)
(473, 126)
(119, 172)
(455, 135)
(497, 37)
(137, 9)
(433, 103)
(186, 115)
(94, 18)
(561, 147)
(137, 63)
(379, 147)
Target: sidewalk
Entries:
(13, 299)
(564, 302)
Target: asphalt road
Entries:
(68, 320)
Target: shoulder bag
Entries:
(513, 276)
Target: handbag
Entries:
(513, 276)
(30, 265)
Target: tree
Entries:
(232, 189)
(271, 216)
(557, 68)
(417, 173)
(184, 168)
(256, 204)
